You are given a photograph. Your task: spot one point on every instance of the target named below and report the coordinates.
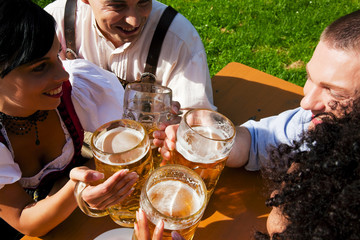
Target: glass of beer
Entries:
(150, 105)
(204, 141)
(120, 144)
(176, 195)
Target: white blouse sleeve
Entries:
(9, 170)
(97, 94)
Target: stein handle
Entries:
(79, 188)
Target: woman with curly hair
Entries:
(316, 191)
(314, 184)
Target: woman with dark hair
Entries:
(42, 121)
(316, 191)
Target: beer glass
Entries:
(120, 144)
(204, 141)
(150, 105)
(176, 195)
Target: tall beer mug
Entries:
(150, 105)
(176, 195)
(204, 141)
(120, 144)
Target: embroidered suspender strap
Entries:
(69, 26)
(70, 117)
(158, 38)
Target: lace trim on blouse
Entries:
(57, 164)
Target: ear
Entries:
(85, 1)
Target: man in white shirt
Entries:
(116, 35)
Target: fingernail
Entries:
(140, 214)
(167, 155)
(176, 236)
(97, 175)
(158, 225)
(134, 175)
(175, 109)
(136, 228)
(131, 176)
(155, 134)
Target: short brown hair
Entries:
(344, 33)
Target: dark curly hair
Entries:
(320, 195)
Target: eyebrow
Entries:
(115, 1)
(335, 87)
(36, 61)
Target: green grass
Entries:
(274, 36)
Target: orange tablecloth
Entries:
(236, 209)
(242, 93)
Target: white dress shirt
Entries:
(182, 64)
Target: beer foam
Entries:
(119, 140)
(174, 198)
(202, 149)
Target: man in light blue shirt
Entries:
(272, 131)
(333, 81)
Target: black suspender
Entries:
(69, 26)
(155, 45)
(158, 39)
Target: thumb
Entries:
(85, 174)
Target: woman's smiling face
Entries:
(34, 86)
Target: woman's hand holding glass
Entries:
(141, 229)
(112, 191)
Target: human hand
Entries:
(141, 229)
(112, 191)
(176, 113)
(165, 139)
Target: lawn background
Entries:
(274, 36)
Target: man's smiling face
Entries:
(333, 80)
(120, 21)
